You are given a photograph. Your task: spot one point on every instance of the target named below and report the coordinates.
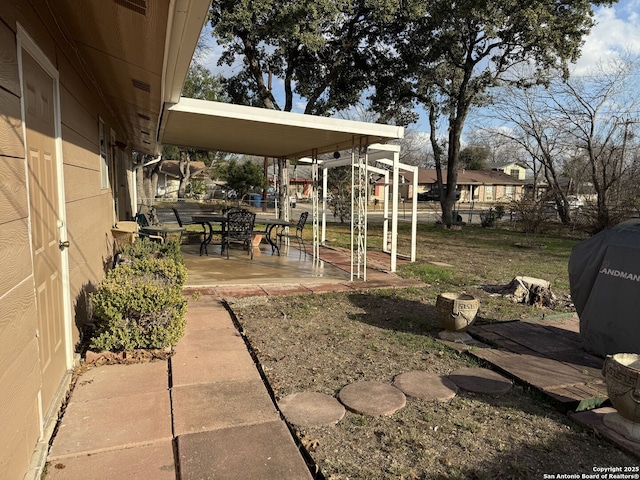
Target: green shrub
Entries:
(164, 268)
(145, 248)
(491, 216)
(140, 305)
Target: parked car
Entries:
(433, 195)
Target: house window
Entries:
(488, 192)
(104, 166)
(514, 172)
(510, 191)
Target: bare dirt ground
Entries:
(322, 343)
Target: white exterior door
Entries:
(40, 128)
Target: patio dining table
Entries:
(208, 220)
(271, 224)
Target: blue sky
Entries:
(617, 30)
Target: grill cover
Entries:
(604, 278)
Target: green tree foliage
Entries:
(448, 55)
(475, 157)
(321, 50)
(244, 177)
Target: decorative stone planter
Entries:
(622, 377)
(456, 311)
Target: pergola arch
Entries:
(361, 165)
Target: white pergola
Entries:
(380, 159)
(297, 137)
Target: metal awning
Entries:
(257, 131)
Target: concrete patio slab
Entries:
(113, 423)
(372, 398)
(425, 385)
(265, 451)
(480, 380)
(211, 406)
(111, 381)
(193, 367)
(311, 409)
(155, 461)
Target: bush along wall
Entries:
(139, 303)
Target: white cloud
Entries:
(617, 30)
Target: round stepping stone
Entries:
(425, 385)
(480, 380)
(372, 398)
(311, 409)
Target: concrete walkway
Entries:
(205, 413)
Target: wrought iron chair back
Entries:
(298, 233)
(239, 228)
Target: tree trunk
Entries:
(185, 173)
(448, 199)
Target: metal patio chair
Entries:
(239, 228)
(183, 223)
(295, 235)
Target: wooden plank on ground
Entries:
(580, 360)
(537, 337)
(538, 371)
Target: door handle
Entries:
(64, 244)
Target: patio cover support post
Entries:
(325, 201)
(283, 189)
(265, 190)
(314, 209)
(352, 215)
(363, 201)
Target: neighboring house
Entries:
(169, 177)
(514, 169)
(300, 181)
(474, 185)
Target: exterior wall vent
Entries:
(138, 6)
(143, 132)
(140, 85)
(144, 117)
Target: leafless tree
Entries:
(535, 128)
(579, 126)
(596, 114)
